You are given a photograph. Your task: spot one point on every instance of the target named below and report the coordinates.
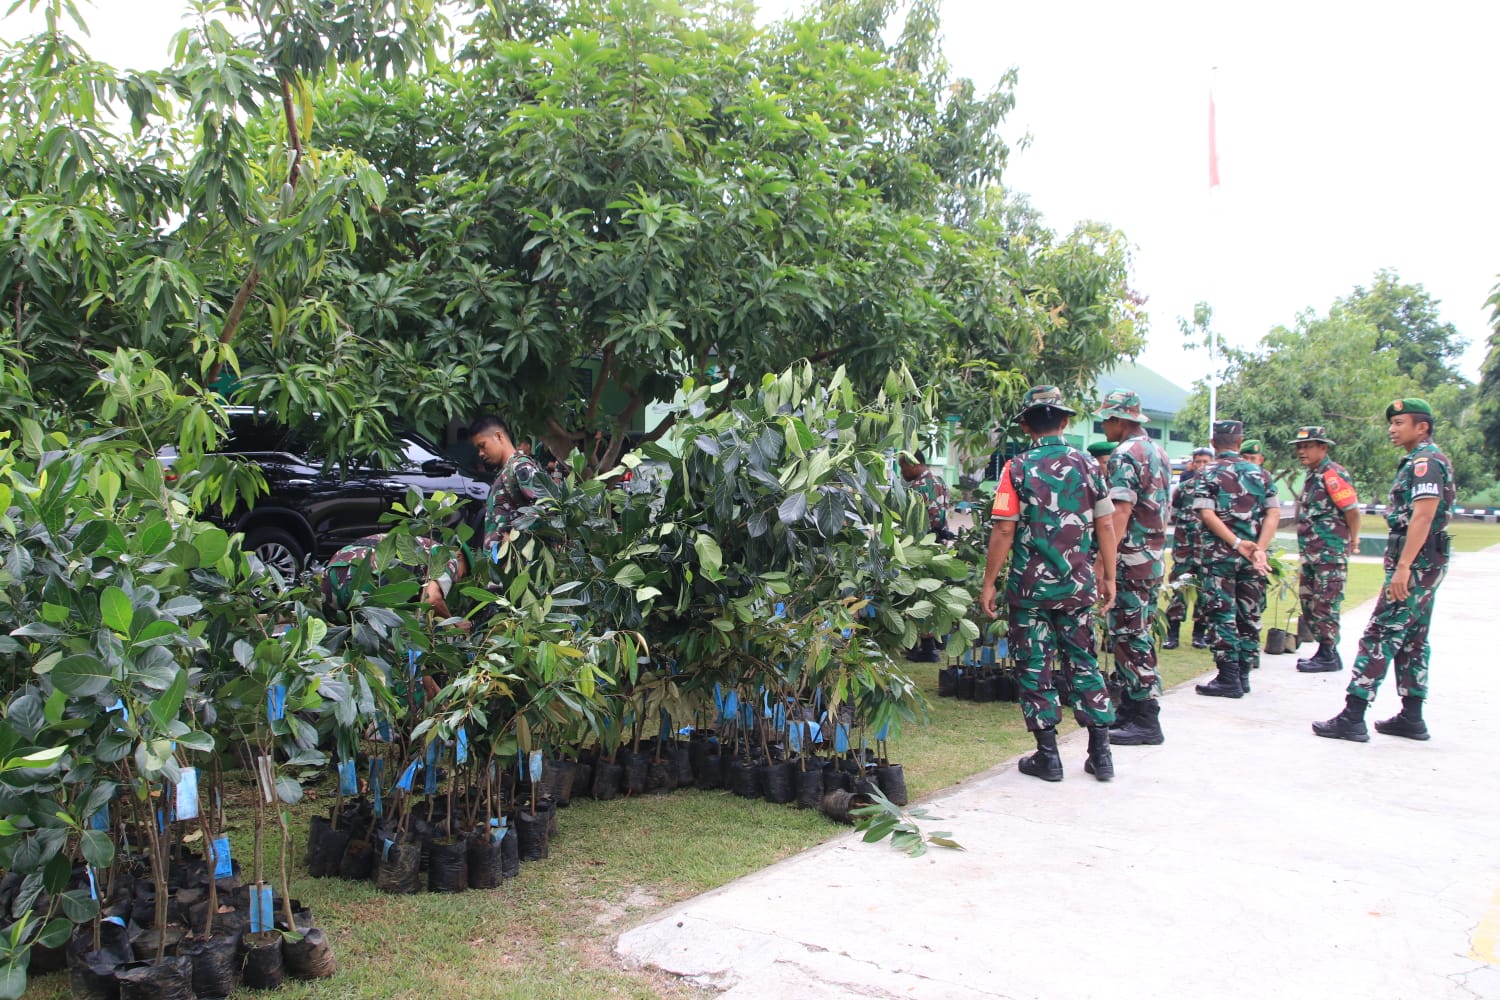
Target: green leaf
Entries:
(81, 675)
(156, 538)
(211, 544)
(288, 790)
(114, 609)
(39, 758)
(943, 840)
(55, 933)
(98, 849)
(792, 508)
(164, 709)
(196, 740)
(710, 556)
(78, 906)
(92, 536)
(12, 981)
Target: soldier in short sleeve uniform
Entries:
(519, 484)
(1237, 502)
(1139, 479)
(1416, 560)
(1327, 527)
(1050, 505)
(1187, 551)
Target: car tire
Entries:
(278, 549)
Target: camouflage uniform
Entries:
(1323, 543)
(935, 492)
(1187, 546)
(1054, 493)
(519, 483)
(1397, 632)
(1232, 592)
(343, 576)
(1139, 474)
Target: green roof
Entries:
(1159, 397)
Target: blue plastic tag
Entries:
(1002, 648)
(262, 909)
(780, 610)
(846, 632)
(841, 738)
(386, 844)
(884, 732)
(93, 885)
(986, 656)
(497, 831)
(430, 770)
(461, 746)
(186, 805)
(534, 765)
(383, 729)
(276, 703)
(731, 705)
(404, 782)
(223, 864)
(412, 656)
(348, 779)
(100, 819)
(794, 737)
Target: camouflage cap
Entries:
(1408, 405)
(1251, 447)
(1312, 432)
(1228, 428)
(1124, 404)
(1039, 396)
(1101, 448)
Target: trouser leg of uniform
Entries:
(1397, 634)
(1320, 588)
(1249, 604)
(1030, 639)
(1130, 635)
(1216, 598)
(1177, 608)
(1078, 654)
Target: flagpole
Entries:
(1213, 183)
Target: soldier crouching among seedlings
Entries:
(1050, 505)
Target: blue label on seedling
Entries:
(348, 780)
(534, 765)
(778, 717)
(262, 909)
(841, 738)
(1002, 648)
(814, 732)
(404, 782)
(100, 819)
(412, 656)
(161, 821)
(430, 767)
(93, 885)
(223, 865)
(731, 706)
(494, 552)
(846, 633)
(794, 737)
(186, 805)
(666, 726)
(685, 731)
(987, 656)
(117, 921)
(383, 730)
(386, 844)
(884, 731)
(869, 609)
(276, 703)
(780, 610)
(747, 715)
(461, 745)
(497, 832)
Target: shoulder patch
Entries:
(1419, 468)
(1007, 500)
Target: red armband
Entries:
(1007, 500)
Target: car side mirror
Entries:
(438, 467)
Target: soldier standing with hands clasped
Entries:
(1327, 527)
(1050, 504)
(1237, 502)
(1187, 546)
(1416, 560)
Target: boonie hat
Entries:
(1312, 432)
(1410, 404)
(1039, 396)
(1124, 404)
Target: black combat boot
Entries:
(1200, 635)
(1348, 724)
(1245, 667)
(1045, 763)
(1325, 660)
(1174, 636)
(1407, 722)
(1144, 728)
(1124, 712)
(1226, 685)
(1100, 763)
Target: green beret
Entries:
(1101, 448)
(1250, 447)
(1408, 405)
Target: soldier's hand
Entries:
(1400, 588)
(1106, 594)
(1261, 562)
(987, 599)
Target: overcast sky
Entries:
(1351, 136)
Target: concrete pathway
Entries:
(1243, 858)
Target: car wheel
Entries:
(278, 550)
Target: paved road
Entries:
(1244, 858)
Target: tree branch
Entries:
(606, 364)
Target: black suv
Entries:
(310, 512)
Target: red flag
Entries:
(1213, 146)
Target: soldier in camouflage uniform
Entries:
(1416, 560)
(1327, 524)
(1048, 508)
(358, 567)
(1187, 545)
(1139, 480)
(1237, 502)
(930, 487)
(519, 483)
(1252, 452)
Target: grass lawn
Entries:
(550, 932)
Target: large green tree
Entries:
(312, 202)
(1408, 321)
(1487, 420)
